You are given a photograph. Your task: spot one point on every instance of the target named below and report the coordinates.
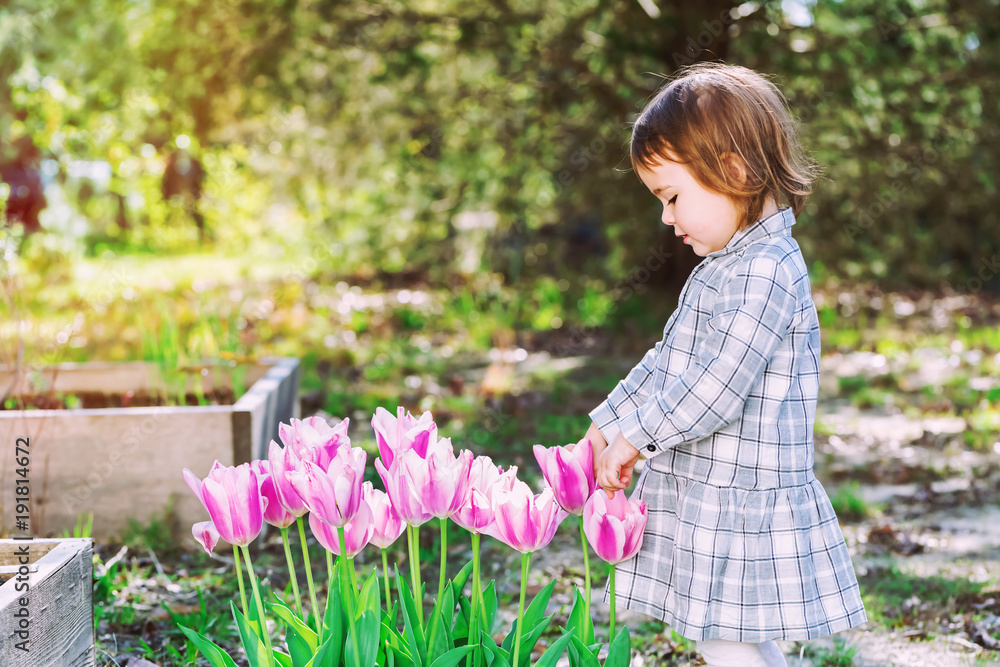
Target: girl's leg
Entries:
(725, 653)
(773, 654)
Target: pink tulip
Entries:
(404, 497)
(569, 473)
(206, 534)
(388, 524)
(441, 480)
(523, 521)
(275, 514)
(357, 532)
(312, 439)
(401, 433)
(614, 527)
(333, 494)
(282, 462)
(233, 500)
(476, 516)
(195, 483)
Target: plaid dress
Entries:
(741, 542)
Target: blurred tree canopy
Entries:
(383, 126)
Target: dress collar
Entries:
(776, 224)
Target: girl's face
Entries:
(705, 219)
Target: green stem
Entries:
(239, 577)
(611, 634)
(350, 598)
(260, 607)
(482, 605)
(291, 573)
(413, 538)
(329, 573)
(329, 588)
(440, 595)
(586, 563)
(525, 561)
(309, 578)
(351, 570)
(385, 575)
(444, 556)
(474, 611)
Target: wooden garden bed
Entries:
(125, 463)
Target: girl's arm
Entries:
(751, 317)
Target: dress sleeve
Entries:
(752, 315)
(627, 396)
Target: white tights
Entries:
(725, 653)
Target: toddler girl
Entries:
(742, 546)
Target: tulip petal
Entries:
(206, 535)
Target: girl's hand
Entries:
(615, 464)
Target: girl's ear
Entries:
(734, 165)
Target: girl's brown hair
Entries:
(708, 110)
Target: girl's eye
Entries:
(672, 199)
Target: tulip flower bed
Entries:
(316, 472)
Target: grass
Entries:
(84, 524)
(849, 503)
(839, 655)
(897, 599)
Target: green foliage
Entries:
(849, 503)
(983, 430)
(561, 430)
(156, 535)
(522, 111)
(84, 524)
(896, 598)
(840, 655)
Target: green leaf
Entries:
(254, 647)
(460, 630)
(439, 640)
(458, 583)
(453, 657)
(328, 654)
(494, 654)
(251, 614)
(369, 598)
(343, 578)
(215, 655)
(536, 610)
(414, 631)
(532, 614)
(620, 653)
(333, 620)
(580, 621)
(302, 640)
(490, 604)
(580, 655)
(528, 639)
(554, 652)
(400, 652)
(282, 659)
(368, 629)
(395, 638)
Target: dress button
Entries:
(650, 448)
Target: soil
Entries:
(91, 400)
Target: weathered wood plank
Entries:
(60, 620)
